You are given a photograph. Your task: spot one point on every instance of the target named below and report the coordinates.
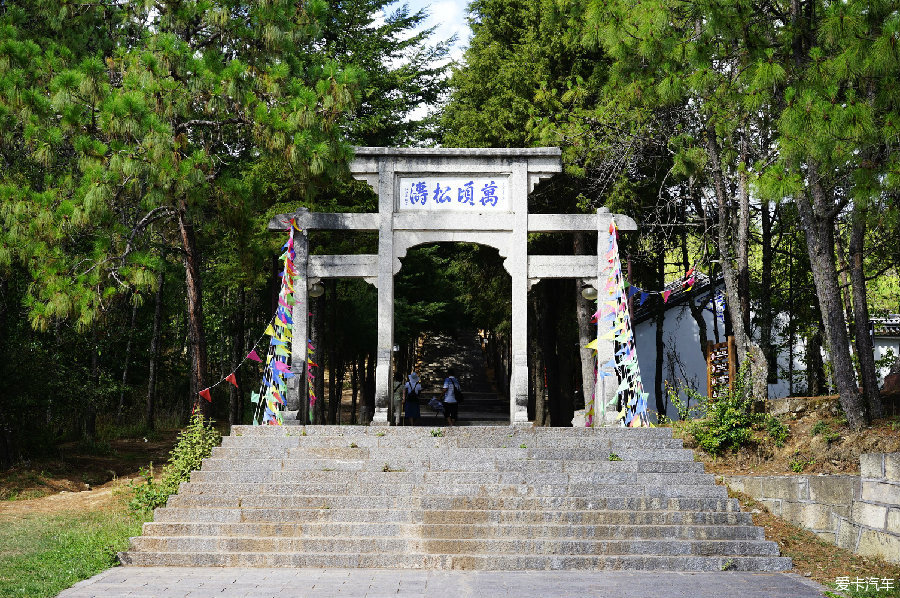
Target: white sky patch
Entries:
(378, 21)
(449, 18)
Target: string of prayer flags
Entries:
(685, 283)
(630, 391)
(278, 370)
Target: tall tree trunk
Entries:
(765, 315)
(318, 313)
(89, 422)
(121, 408)
(696, 310)
(742, 249)
(584, 309)
(537, 398)
(548, 331)
(844, 279)
(369, 388)
(561, 411)
(658, 387)
(354, 389)
(150, 410)
(196, 332)
(865, 350)
(815, 372)
(335, 369)
(818, 223)
(9, 451)
(236, 393)
(727, 223)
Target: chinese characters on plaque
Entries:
(455, 193)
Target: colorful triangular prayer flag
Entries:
(205, 394)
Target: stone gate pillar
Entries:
(517, 265)
(385, 340)
(299, 333)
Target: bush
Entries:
(729, 420)
(820, 428)
(777, 430)
(195, 443)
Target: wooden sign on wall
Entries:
(721, 367)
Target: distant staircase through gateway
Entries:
(483, 405)
(476, 497)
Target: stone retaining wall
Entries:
(859, 513)
(810, 501)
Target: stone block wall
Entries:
(809, 501)
(859, 513)
(873, 526)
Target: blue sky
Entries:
(450, 18)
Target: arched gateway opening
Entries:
(455, 195)
(452, 313)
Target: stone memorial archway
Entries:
(472, 195)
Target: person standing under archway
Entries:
(411, 391)
(451, 405)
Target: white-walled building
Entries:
(683, 360)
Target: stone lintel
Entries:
(342, 266)
(564, 223)
(453, 221)
(326, 221)
(562, 266)
(542, 162)
(537, 223)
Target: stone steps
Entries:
(486, 546)
(216, 463)
(408, 490)
(456, 478)
(460, 561)
(453, 531)
(492, 498)
(315, 516)
(453, 503)
(487, 432)
(438, 454)
(473, 444)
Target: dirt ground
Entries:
(75, 479)
(834, 448)
(813, 557)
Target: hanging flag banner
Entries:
(273, 384)
(630, 391)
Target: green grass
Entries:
(41, 555)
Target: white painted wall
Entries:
(683, 360)
(885, 346)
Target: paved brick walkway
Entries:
(171, 582)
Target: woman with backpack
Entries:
(452, 398)
(411, 391)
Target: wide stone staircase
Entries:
(478, 497)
